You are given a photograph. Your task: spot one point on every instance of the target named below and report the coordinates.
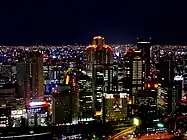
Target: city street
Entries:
(157, 136)
(123, 133)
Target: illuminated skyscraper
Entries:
(115, 106)
(171, 77)
(98, 60)
(36, 72)
(30, 77)
(134, 71)
(98, 52)
(85, 97)
(162, 100)
(134, 76)
(65, 105)
(144, 45)
(62, 105)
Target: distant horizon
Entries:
(59, 43)
(30, 45)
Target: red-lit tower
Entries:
(98, 52)
(98, 61)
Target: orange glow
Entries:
(98, 113)
(130, 102)
(94, 46)
(67, 79)
(155, 85)
(98, 37)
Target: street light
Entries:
(160, 125)
(136, 122)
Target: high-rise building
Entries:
(6, 70)
(85, 96)
(115, 106)
(164, 67)
(162, 100)
(184, 95)
(147, 108)
(30, 77)
(7, 91)
(134, 75)
(98, 60)
(53, 74)
(104, 82)
(98, 52)
(63, 106)
(175, 95)
(144, 45)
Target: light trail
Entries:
(124, 132)
(24, 136)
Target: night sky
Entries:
(77, 21)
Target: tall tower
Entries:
(36, 75)
(99, 55)
(144, 45)
(134, 77)
(30, 77)
(98, 52)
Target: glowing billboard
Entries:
(179, 78)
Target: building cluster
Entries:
(70, 84)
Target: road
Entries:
(155, 136)
(123, 133)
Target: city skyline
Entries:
(61, 22)
(119, 87)
(101, 70)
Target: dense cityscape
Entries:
(97, 91)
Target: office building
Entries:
(98, 61)
(5, 114)
(165, 68)
(98, 52)
(148, 98)
(63, 110)
(8, 91)
(147, 108)
(30, 77)
(184, 75)
(115, 106)
(85, 96)
(176, 95)
(144, 45)
(134, 77)
(162, 100)
(53, 74)
(6, 70)
(105, 81)
(37, 113)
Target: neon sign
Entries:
(178, 78)
(37, 103)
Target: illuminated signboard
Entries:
(179, 78)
